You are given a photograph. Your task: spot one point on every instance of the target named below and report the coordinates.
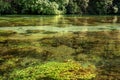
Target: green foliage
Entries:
(61, 5)
(49, 7)
(98, 7)
(101, 7)
(36, 7)
(55, 71)
(116, 4)
(77, 6)
(72, 8)
(5, 7)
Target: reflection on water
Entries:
(59, 21)
(32, 40)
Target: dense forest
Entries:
(49, 7)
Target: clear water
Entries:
(86, 39)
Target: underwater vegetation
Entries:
(55, 71)
(43, 54)
(7, 33)
(27, 57)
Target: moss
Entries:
(55, 71)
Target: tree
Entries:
(62, 5)
(5, 7)
(116, 4)
(100, 6)
(72, 7)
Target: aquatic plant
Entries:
(34, 31)
(55, 71)
(7, 32)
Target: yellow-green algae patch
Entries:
(69, 70)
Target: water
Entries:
(30, 40)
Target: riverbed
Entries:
(89, 40)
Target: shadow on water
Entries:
(31, 40)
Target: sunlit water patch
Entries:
(23, 29)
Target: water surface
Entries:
(30, 40)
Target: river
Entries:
(27, 40)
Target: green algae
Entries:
(55, 71)
(7, 32)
